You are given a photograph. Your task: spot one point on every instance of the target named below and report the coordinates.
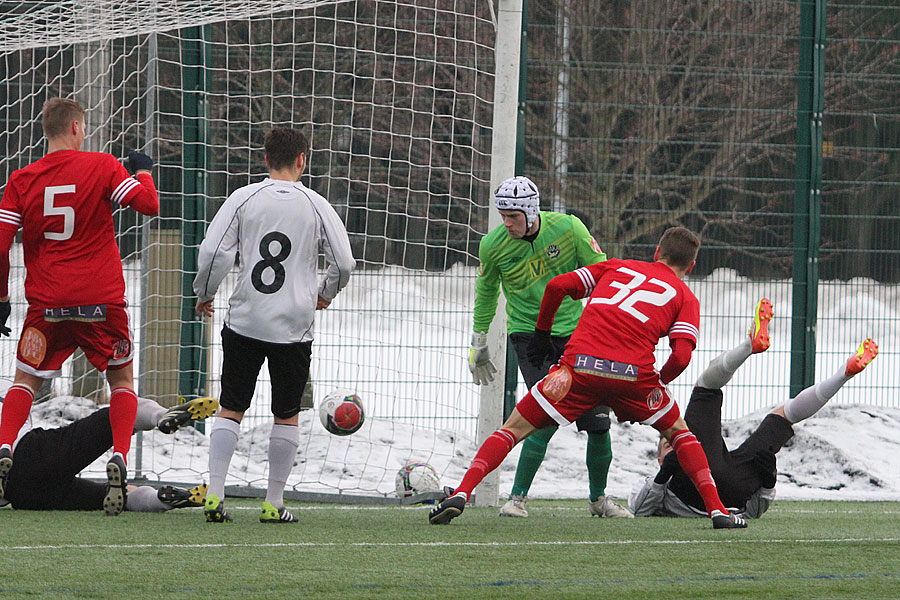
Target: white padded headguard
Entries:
(519, 193)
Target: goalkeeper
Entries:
(48, 461)
(745, 476)
(522, 255)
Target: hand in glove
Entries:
(669, 467)
(138, 161)
(766, 466)
(540, 347)
(4, 315)
(480, 360)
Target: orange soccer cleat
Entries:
(759, 331)
(865, 354)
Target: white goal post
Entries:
(400, 100)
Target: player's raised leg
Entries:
(722, 368)
(810, 400)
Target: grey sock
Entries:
(722, 368)
(222, 442)
(144, 499)
(283, 443)
(148, 414)
(810, 400)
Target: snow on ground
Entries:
(844, 452)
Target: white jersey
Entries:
(277, 228)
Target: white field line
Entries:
(442, 544)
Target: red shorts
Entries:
(568, 392)
(50, 336)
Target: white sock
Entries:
(722, 368)
(810, 400)
(148, 414)
(145, 499)
(222, 441)
(283, 443)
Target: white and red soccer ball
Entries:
(342, 413)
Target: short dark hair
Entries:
(678, 246)
(58, 113)
(283, 146)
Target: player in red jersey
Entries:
(74, 285)
(609, 360)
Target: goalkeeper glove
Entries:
(138, 161)
(766, 466)
(480, 360)
(669, 467)
(540, 347)
(4, 315)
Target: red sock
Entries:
(122, 411)
(16, 406)
(693, 462)
(492, 452)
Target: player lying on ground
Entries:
(63, 203)
(631, 305)
(746, 475)
(48, 461)
(522, 255)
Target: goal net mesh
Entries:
(396, 98)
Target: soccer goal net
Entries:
(396, 98)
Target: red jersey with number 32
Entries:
(632, 305)
(63, 203)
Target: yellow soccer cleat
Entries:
(195, 410)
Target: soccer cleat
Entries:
(6, 463)
(759, 331)
(514, 507)
(727, 520)
(865, 354)
(449, 508)
(270, 514)
(604, 507)
(195, 410)
(214, 509)
(178, 497)
(117, 480)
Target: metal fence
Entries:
(771, 128)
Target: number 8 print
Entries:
(271, 261)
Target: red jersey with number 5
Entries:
(632, 305)
(64, 204)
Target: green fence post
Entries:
(807, 193)
(192, 359)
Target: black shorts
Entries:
(242, 358)
(595, 420)
(733, 471)
(47, 461)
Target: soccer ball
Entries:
(416, 478)
(342, 413)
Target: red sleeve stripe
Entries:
(120, 192)
(10, 217)
(587, 279)
(684, 329)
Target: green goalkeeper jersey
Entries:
(523, 268)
